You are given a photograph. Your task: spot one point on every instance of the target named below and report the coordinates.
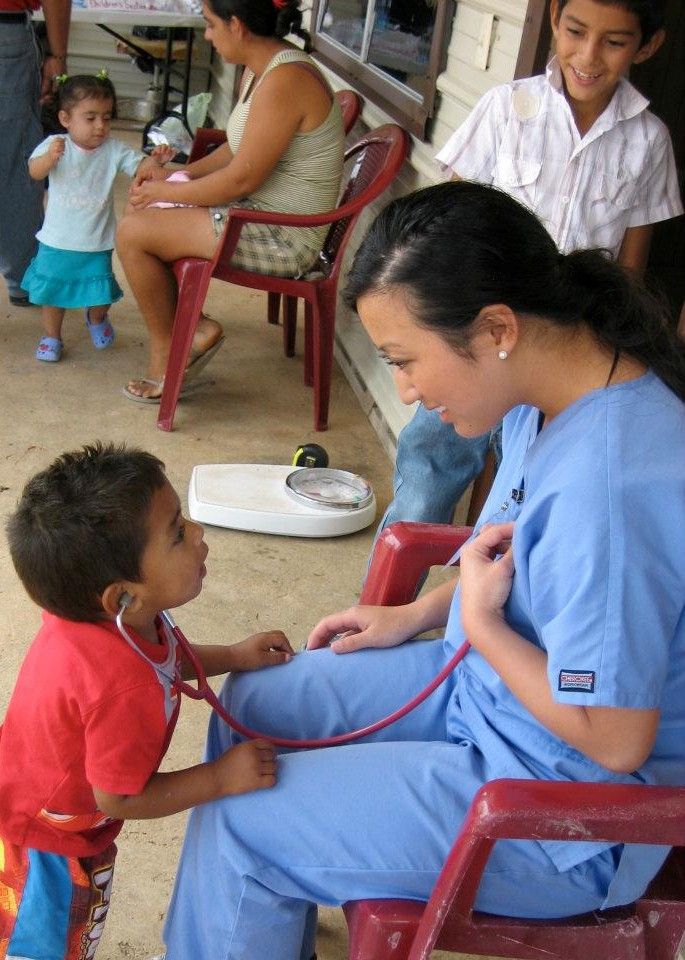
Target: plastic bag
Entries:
(172, 130)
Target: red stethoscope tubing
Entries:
(203, 691)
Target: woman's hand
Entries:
(265, 649)
(360, 627)
(487, 569)
(142, 194)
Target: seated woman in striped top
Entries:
(284, 152)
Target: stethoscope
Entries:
(201, 690)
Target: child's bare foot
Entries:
(248, 766)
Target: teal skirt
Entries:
(71, 278)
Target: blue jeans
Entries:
(434, 466)
(21, 198)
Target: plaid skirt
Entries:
(262, 248)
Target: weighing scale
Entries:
(281, 499)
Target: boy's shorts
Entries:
(52, 907)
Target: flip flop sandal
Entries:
(159, 384)
(102, 334)
(199, 362)
(50, 349)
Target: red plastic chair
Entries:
(209, 138)
(375, 161)
(650, 929)
(350, 107)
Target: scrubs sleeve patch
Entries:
(606, 594)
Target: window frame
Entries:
(394, 98)
(536, 40)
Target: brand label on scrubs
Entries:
(580, 680)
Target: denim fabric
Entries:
(21, 198)
(434, 467)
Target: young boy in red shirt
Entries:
(97, 534)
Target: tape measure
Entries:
(310, 455)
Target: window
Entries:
(391, 50)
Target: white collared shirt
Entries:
(522, 137)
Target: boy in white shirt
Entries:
(579, 147)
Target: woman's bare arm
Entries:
(285, 100)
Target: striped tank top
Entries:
(307, 177)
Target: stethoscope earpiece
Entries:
(125, 600)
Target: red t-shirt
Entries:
(87, 711)
(12, 6)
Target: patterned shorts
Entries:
(265, 249)
(51, 905)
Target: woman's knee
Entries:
(128, 232)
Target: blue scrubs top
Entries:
(599, 585)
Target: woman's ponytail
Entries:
(623, 314)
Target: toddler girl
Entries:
(73, 265)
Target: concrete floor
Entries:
(256, 410)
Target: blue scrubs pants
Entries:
(372, 819)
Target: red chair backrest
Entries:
(350, 107)
(376, 161)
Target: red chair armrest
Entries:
(239, 216)
(545, 810)
(249, 215)
(558, 810)
(403, 553)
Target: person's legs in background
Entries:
(433, 468)
(21, 198)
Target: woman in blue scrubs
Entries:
(572, 595)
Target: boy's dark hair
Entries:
(650, 13)
(81, 525)
(264, 17)
(85, 86)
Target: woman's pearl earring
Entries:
(503, 354)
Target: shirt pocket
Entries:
(612, 199)
(519, 177)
